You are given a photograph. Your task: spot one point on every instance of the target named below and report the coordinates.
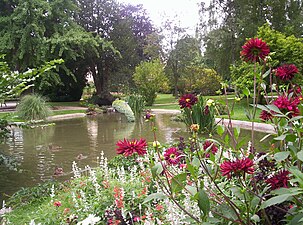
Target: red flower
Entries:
(286, 71)
(172, 156)
(279, 180)
(127, 148)
(288, 105)
(265, 116)
(212, 146)
(57, 203)
(237, 167)
(254, 50)
(187, 101)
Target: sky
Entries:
(186, 11)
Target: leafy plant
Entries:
(33, 107)
(136, 103)
(150, 78)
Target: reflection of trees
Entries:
(92, 130)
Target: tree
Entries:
(232, 21)
(183, 55)
(127, 28)
(150, 78)
(35, 31)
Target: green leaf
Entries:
(156, 169)
(220, 130)
(178, 182)
(203, 202)
(191, 189)
(295, 118)
(275, 200)
(291, 137)
(280, 138)
(280, 156)
(266, 136)
(155, 196)
(237, 132)
(274, 108)
(195, 162)
(246, 92)
(300, 155)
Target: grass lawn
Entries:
(168, 101)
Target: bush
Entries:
(200, 80)
(150, 78)
(33, 107)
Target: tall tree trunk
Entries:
(101, 79)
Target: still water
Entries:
(40, 150)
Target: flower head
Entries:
(57, 203)
(149, 116)
(194, 127)
(187, 101)
(172, 156)
(209, 145)
(265, 115)
(127, 148)
(279, 180)
(286, 104)
(237, 167)
(254, 50)
(286, 71)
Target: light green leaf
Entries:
(280, 156)
(275, 200)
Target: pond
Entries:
(40, 150)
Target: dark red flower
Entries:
(206, 110)
(279, 180)
(172, 156)
(127, 148)
(286, 104)
(187, 101)
(265, 116)
(212, 146)
(237, 167)
(254, 50)
(286, 71)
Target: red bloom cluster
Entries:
(288, 105)
(187, 101)
(127, 148)
(286, 71)
(213, 147)
(237, 167)
(279, 180)
(265, 116)
(172, 156)
(254, 50)
(57, 203)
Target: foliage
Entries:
(33, 107)
(242, 75)
(150, 78)
(136, 103)
(200, 80)
(202, 114)
(186, 50)
(225, 25)
(123, 107)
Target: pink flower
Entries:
(127, 148)
(254, 50)
(286, 71)
(172, 156)
(279, 180)
(57, 203)
(187, 101)
(237, 167)
(288, 105)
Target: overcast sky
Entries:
(187, 11)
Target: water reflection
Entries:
(40, 150)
